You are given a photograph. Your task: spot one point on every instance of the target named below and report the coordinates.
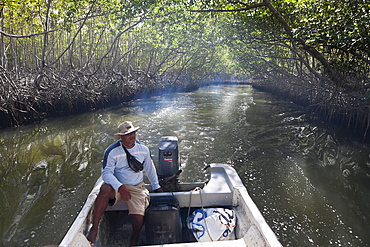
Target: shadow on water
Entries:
(43, 168)
(311, 184)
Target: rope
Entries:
(191, 194)
(201, 203)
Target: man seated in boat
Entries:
(123, 179)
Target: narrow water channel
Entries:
(310, 182)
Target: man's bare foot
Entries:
(92, 236)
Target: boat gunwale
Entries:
(235, 195)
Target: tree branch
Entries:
(52, 30)
(249, 7)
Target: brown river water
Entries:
(310, 181)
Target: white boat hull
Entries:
(224, 189)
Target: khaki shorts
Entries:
(139, 199)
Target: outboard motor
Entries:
(169, 163)
(162, 218)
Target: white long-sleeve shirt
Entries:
(117, 172)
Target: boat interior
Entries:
(115, 225)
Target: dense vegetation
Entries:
(60, 57)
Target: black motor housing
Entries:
(169, 159)
(163, 221)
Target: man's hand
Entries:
(125, 193)
(159, 190)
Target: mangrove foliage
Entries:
(61, 57)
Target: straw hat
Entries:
(124, 129)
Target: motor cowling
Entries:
(169, 162)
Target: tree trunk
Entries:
(46, 33)
(333, 75)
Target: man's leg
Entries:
(137, 224)
(101, 203)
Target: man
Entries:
(122, 183)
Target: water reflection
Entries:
(39, 163)
(311, 184)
